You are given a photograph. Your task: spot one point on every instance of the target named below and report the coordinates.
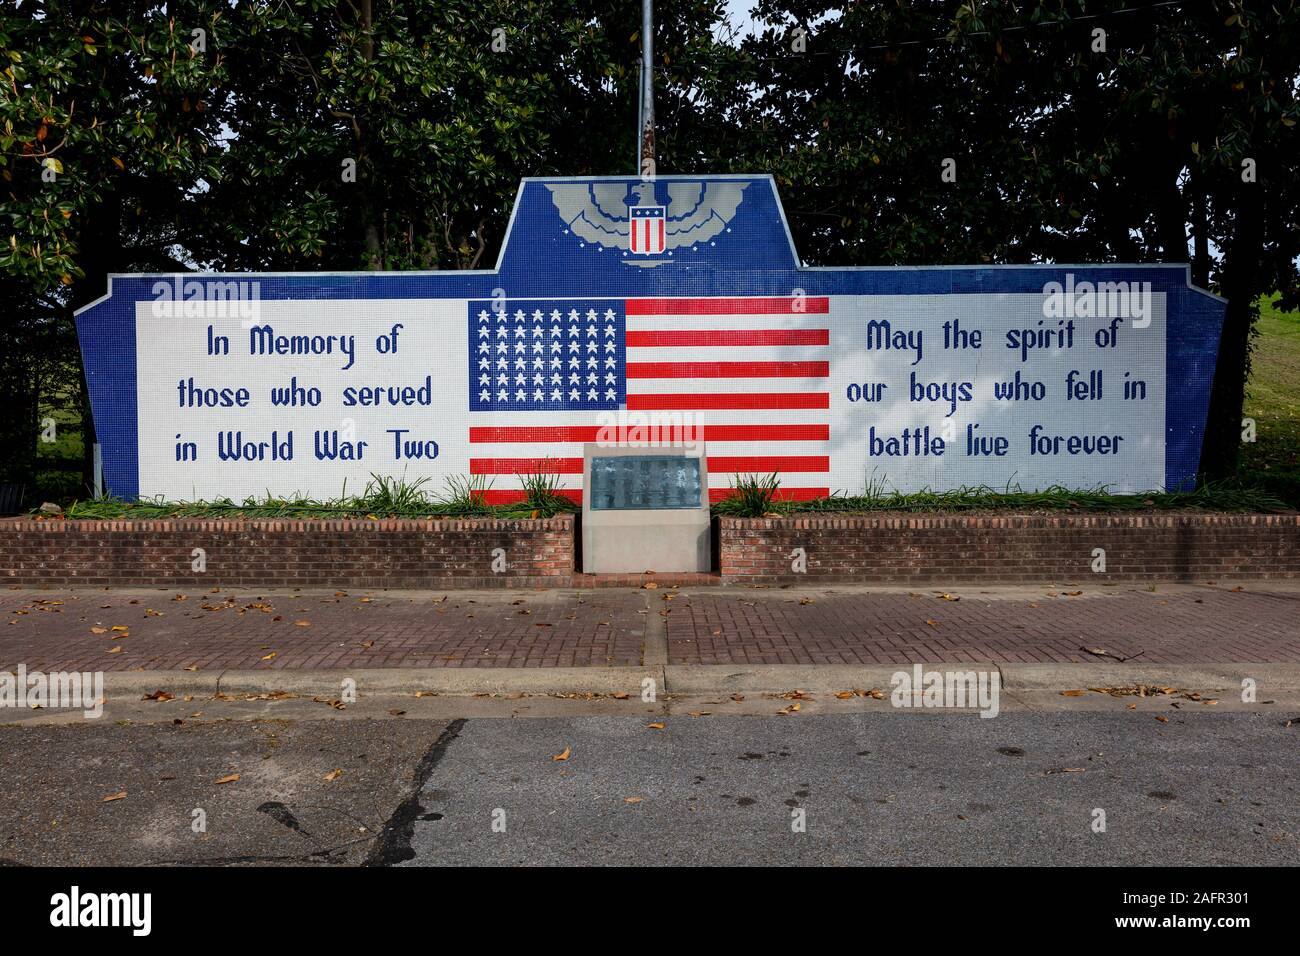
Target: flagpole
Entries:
(646, 163)
(640, 112)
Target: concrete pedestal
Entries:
(620, 538)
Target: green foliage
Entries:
(107, 122)
(750, 496)
(435, 119)
(1211, 496)
(384, 497)
(465, 495)
(388, 495)
(541, 492)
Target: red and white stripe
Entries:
(645, 232)
(753, 372)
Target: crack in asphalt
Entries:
(393, 845)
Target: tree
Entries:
(394, 135)
(105, 127)
(1138, 143)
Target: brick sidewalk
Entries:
(1175, 624)
(240, 631)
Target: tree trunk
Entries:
(99, 241)
(1171, 214)
(365, 175)
(1200, 233)
(18, 430)
(1220, 452)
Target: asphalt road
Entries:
(1220, 789)
(870, 788)
(287, 807)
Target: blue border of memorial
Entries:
(751, 254)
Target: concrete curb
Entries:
(464, 682)
(684, 679)
(714, 678)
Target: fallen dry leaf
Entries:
(700, 713)
(229, 779)
(655, 726)
(115, 650)
(562, 756)
(302, 623)
(846, 695)
(159, 695)
(1135, 690)
(120, 795)
(99, 630)
(1162, 718)
(632, 799)
(269, 657)
(1073, 693)
(334, 774)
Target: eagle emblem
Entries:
(632, 217)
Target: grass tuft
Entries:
(751, 496)
(542, 494)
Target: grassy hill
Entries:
(1273, 400)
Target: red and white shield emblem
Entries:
(648, 227)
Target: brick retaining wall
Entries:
(951, 548)
(394, 553)
(878, 549)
